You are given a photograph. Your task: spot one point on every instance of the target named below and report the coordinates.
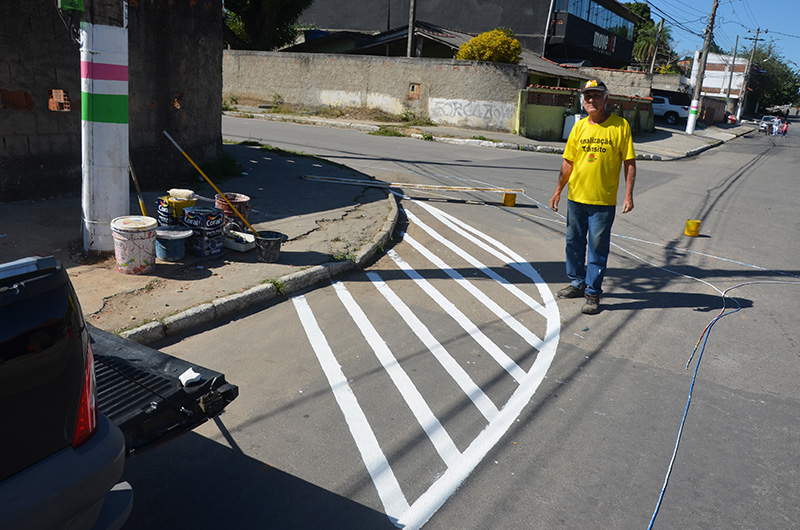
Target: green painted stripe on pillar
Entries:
(104, 108)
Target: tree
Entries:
(773, 81)
(496, 46)
(262, 24)
(646, 41)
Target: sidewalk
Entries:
(330, 229)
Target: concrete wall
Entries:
(40, 149)
(175, 84)
(633, 83)
(460, 93)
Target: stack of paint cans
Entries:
(170, 210)
(206, 223)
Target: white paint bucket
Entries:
(134, 243)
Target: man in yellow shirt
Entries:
(596, 150)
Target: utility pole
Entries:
(104, 118)
(747, 74)
(655, 50)
(698, 88)
(412, 16)
(730, 77)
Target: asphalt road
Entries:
(445, 387)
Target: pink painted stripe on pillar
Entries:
(109, 72)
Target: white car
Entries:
(766, 123)
(670, 108)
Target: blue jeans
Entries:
(595, 222)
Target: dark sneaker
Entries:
(570, 291)
(592, 305)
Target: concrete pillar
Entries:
(104, 120)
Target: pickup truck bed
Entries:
(138, 388)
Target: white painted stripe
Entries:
(422, 412)
(429, 502)
(481, 401)
(466, 324)
(104, 86)
(510, 287)
(526, 334)
(517, 262)
(377, 465)
(107, 44)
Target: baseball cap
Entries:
(594, 84)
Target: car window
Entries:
(658, 100)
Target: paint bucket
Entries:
(692, 228)
(268, 246)
(134, 243)
(239, 201)
(171, 242)
(170, 209)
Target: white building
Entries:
(720, 73)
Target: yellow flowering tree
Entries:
(496, 46)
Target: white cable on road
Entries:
(437, 434)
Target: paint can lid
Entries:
(133, 223)
(172, 232)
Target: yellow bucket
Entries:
(509, 199)
(692, 228)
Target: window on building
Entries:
(596, 14)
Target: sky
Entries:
(688, 18)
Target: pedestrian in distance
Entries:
(597, 148)
(785, 128)
(776, 126)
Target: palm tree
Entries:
(648, 39)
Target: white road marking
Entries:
(459, 466)
(466, 324)
(377, 465)
(422, 412)
(459, 375)
(526, 334)
(510, 287)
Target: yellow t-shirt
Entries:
(596, 152)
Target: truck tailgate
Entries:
(138, 388)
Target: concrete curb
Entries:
(227, 306)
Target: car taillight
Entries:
(87, 412)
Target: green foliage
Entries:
(772, 80)
(386, 131)
(261, 24)
(496, 46)
(645, 38)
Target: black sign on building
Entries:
(592, 32)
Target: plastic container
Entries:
(239, 201)
(692, 228)
(238, 240)
(268, 246)
(134, 243)
(171, 242)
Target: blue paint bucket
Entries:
(171, 242)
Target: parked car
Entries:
(77, 402)
(765, 125)
(671, 108)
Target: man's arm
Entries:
(563, 178)
(630, 180)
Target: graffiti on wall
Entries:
(467, 113)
